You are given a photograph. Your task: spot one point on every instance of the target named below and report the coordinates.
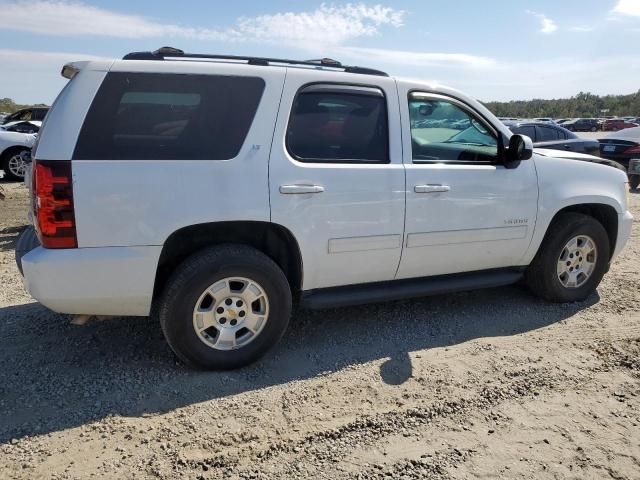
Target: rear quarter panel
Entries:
(141, 202)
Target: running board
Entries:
(408, 288)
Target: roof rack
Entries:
(170, 52)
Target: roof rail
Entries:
(173, 53)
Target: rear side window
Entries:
(547, 134)
(150, 116)
(527, 130)
(339, 124)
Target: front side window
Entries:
(346, 124)
(443, 130)
(151, 116)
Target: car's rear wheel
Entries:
(634, 181)
(572, 259)
(13, 164)
(593, 129)
(225, 307)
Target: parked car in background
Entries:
(547, 135)
(27, 115)
(545, 119)
(623, 146)
(16, 138)
(615, 124)
(582, 125)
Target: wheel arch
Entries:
(13, 148)
(274, 240)
(604, 213)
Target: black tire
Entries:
(4, 162)
(199, 272)
(634, 181)
(27, 241)
(541, 276)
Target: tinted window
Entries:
(39, 113)
(527, 130)
(442, 130)
(547, 134)
(337, 125)
(24, 127)
(150, 116)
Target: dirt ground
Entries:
(484, 384)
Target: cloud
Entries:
(417, 59)
(582, 28)
(627, 7)
(547, 25)
(326, 25)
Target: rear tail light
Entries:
(53, 204)
(633, 150)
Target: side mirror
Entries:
(520, 148)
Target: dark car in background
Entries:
(548, 135)
(624, 147)
(621, 146)
(582, 125)
(32, 114)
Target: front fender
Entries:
(564, 183)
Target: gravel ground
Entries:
(492, 383)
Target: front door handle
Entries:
(431, 188)
(297, 189)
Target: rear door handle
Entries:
(431, 188)
(297, 189)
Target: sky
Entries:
(492, 50)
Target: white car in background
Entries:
(16, 138)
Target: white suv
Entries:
(220, 190)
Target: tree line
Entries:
(583, 104)
(7, 105)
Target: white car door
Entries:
(465, 210)
(336, 176)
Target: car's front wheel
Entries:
(225, 307)
(572, 259)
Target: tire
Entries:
(593, 129)
(220, 267)
(542, 275)
(27, 241)
(5, 162)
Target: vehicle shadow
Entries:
(57, 376)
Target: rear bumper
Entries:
(93, 281)
(625, 221)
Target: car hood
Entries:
(547, 152)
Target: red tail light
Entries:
(53, 204)
(633, 150)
